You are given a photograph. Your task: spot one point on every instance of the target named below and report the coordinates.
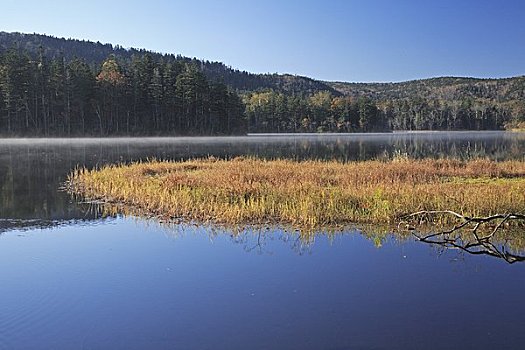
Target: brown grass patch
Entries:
(310, 193)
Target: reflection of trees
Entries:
(21, 225)
(29, 181)
(7, 225)
(31, 171)
(497, 146)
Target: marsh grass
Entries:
(306, 193)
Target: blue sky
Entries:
(367, 40)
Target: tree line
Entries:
(143, 95)
(149, 94)
(272, 111)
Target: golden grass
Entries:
(308, 193)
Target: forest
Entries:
(64, 87)
(59, 97)
(323, 112)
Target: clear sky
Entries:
(352, 40)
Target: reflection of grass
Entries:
(309, 193)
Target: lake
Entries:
(73, 278)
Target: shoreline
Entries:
(248, 136)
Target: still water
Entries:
(72, 279)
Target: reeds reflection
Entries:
(506, 244)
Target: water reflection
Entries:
(144, 284)
(83, 215)
(32, 170)
(509, 246)
(127, 285)
(24, 225)
(505, 244)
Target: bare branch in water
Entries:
(473, 243)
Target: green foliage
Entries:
(144, 96)
(94, 53)
(51, 86)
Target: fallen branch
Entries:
(465, 218)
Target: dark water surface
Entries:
(73, 280)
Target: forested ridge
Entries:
(58, 87)
(95, 53)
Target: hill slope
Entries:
(443, 88)
(56, 86)
(94, 53)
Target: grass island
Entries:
(305, 193)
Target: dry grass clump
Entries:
(311, 193)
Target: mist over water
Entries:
(32, 170)
(73, 278)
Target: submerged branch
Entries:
(464, 217)
(455, 238)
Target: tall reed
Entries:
(307, 193)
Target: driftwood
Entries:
(473, 242)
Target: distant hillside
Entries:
(94, 53)
(56, 86)
(444, 88)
